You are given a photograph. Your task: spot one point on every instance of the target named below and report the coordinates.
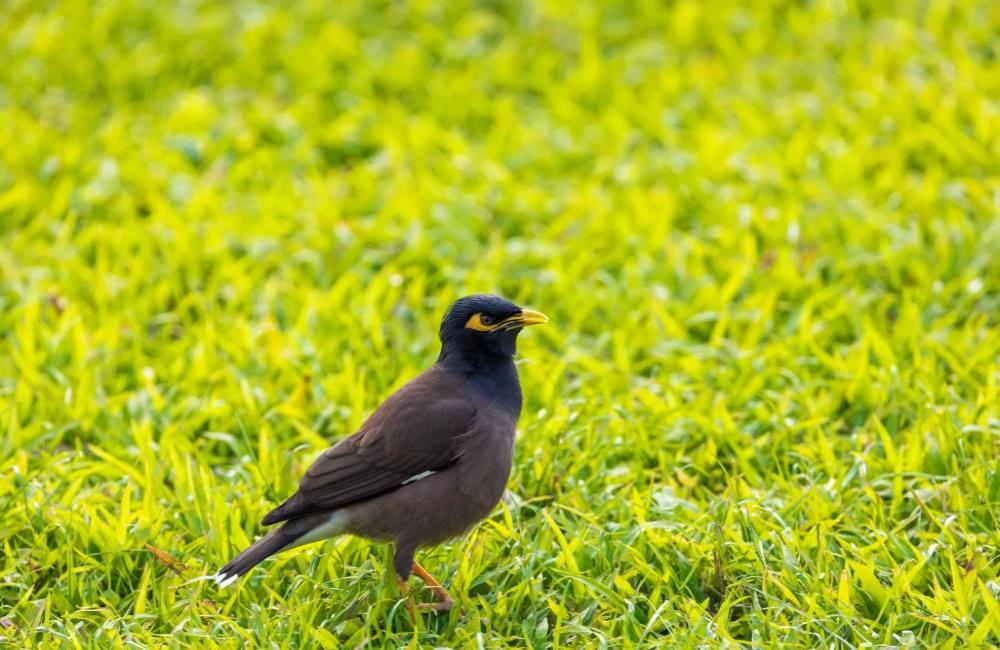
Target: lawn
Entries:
(766, 412)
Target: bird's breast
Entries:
(486, 458)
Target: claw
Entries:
(444, 603)
(442, 607)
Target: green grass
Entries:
(767, 234)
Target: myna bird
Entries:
(428, 464)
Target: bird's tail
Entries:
(256, 553)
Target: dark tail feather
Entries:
(256, 553)
(294, 506)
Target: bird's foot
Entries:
(404, 590)
(442, 607)
(445, 603)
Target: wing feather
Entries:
(415, 431)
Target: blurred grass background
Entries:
(766, 413)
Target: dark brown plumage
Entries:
(429, 463)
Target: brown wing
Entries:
(413, 432)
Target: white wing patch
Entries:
(417, 477)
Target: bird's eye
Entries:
(486, 319)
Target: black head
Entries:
(482, 328)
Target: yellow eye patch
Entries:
(485, 323)
(475, 322)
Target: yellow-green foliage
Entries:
(767, 233)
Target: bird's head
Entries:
(483, 326)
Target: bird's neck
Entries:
(495, 376)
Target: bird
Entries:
(428, 464)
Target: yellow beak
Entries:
(531, 317)
(522, 319)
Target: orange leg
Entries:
(403, 589)
(445, 601)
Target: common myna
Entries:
(428, 464)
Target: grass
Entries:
(765, 414)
